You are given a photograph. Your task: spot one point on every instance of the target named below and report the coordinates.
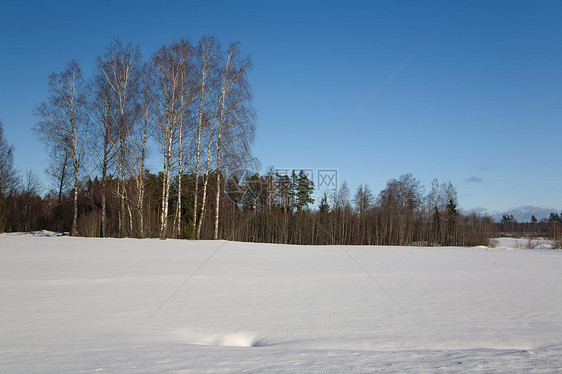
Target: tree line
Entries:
(190, 102)
(550, 227)
(270, 208)
(276, 209)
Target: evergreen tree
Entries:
(285, 192)
(452, 208)
(324, 206)
(303, 190)
(554, 218)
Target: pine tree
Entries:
(304, 189)
(324, 206)
(452, 208)
(284, 192)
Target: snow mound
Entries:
(39, 234)
(239, 339)
(233, 340)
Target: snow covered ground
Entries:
(129, 306)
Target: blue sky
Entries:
(479, 101)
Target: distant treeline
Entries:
(550, 227)
(267, 208)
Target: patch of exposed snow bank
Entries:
(521, 243)
(543, 246)
(40, 234)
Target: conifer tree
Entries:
(303, 191)
(324, 206)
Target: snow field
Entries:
(126, 305)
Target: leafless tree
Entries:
(187, 94)
(8, 175)
(64, 122)
(236, 119)
(59, 171)
(141, 135)
(206, 58)
(210, 116)
(121, 68)
(104, 108)
(363, 199)
(211, 130)
(169, 70)
(399, 203)
(29, 193)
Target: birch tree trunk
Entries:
(206, 180)
(166, 189)
(144, 133)
(207, 54)
(219, 148)
(75, 213)
(103, 110)
(180, 166)
(197, 152)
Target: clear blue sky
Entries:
(479, 103)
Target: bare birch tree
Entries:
(236, 119)
(207, 54)
(121, 68)
(8, 176)
(169, 63)
(105, 132)
(59, 171)
(210, 126)
(143, 132)
(64, 122)
(188, 88)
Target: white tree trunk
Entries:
(75, 215)
(166, 190)
(197, 153)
